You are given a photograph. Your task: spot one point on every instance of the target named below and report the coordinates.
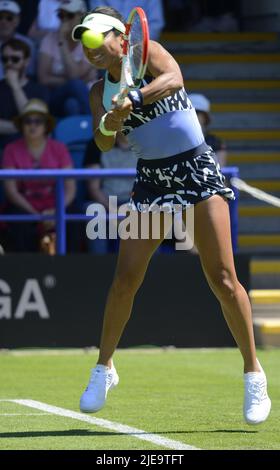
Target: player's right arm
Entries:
(112, 122)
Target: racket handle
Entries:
(125, 83)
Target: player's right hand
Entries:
(124, 109)
(113, 121)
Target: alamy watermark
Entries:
(142, 222)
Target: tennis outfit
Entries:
(175, 165)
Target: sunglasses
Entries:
(33, 121)
(63, 15)
(6, 17)
(14, 59)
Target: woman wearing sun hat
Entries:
(35, 150)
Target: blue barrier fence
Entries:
(60, 215)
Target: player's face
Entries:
(108, 54)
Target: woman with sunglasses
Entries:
(10, 20)
(62, 65)
(34, 150)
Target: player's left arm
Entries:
(168, 77)
(166, 71)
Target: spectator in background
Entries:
(202, 107)
(99, 190)
(16, 88)
(46, 19)
(153, 10)
(63, 66)
(34, 150)
(202, 15)
(27, 15)
(9, 21)
(181, 15)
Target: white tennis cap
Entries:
(200, 102)
(73, 6)
(99, 23)
(12, 7)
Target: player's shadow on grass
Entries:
(87, 433)
(240, 431)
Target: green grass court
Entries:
(190, 396)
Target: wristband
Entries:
(136, 97)
(103, 129)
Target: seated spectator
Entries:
(181, 15)
(153, 10)
(9, 21)
(15, 88)
(218, 16)
(223, 23)
(202, 107)
(99, 190)
(46, 19)
(35, 150)
(63, 66)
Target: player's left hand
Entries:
(122, 110)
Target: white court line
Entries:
(24, 414)
(104, 423)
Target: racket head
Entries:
(135, 52)
(137, 31)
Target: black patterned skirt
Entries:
(177, 181)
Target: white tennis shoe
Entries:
(102, 380)
(257, 403)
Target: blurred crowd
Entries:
(202, 15)
(44, 77)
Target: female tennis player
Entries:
(174, 165)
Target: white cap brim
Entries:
(11, 7)
(98, 23)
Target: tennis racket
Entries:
(135, 52)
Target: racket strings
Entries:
(136, 47)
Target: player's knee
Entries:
(224, 284)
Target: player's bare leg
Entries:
(213, 240)
(133, 260)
